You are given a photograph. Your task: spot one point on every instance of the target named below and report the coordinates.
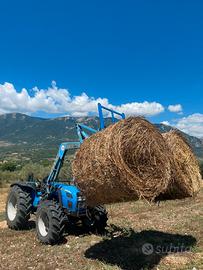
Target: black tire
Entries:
(49, 222)
(96, 220)
(18, 208)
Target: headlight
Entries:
(81, 198)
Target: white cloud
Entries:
(192, 124)
(145, 108)
(175, 108)
(59, 100)
(165, 123)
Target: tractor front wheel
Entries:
(96, 219)
(49, 222)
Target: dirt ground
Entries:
(161, 236)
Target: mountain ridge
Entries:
(23, 133)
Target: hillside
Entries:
(22, 136)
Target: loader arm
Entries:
(63, 148)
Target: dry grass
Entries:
(126, 161)
(131, 225)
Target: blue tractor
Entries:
(56, 204)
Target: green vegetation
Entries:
(8, 176)
(11, 171)
(8, 166)
(39, 171)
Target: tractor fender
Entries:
(25, 186)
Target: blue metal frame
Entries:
(81, 128)
(82, 134)
(101, 116)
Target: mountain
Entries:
(26, 137)
(23, 129)
(23, 136)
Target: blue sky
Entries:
(128, 52)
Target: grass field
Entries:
(139, 236)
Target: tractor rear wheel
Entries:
(96, 221)
(49, 222)
(18, 208)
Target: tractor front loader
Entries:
(56, 204)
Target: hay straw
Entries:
(186, 177)
(126, 161)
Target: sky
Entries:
(140, 57)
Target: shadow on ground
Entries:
(132, 250)
(31, 225)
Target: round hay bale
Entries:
(186, 177)
(126, 161)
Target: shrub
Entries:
(39, 171)
(8, 166)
